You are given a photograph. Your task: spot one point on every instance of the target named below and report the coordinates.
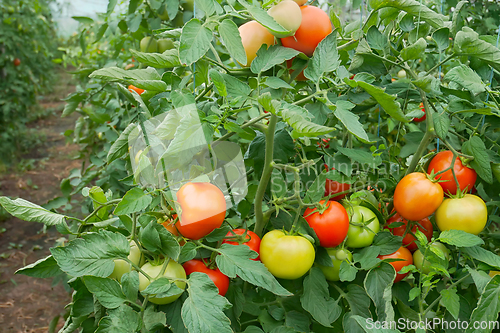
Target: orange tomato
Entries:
(253, 36)
(401, 253)
(134, 88)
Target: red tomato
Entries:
(203, 208)
(134, 88)
(416, 197)
(253, 36)
(331, 226)
(401, 253)
(409, 240)
(220, 280)
(466, 176)
(17, 62)
(315, 26)
(418, 120)
(334, 187)
(251, 239)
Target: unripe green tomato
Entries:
(402, 74)
(286, 256)
(361, 236)
(149, 45)
(423, 265)
(165, 44)
(188, 5)
(122, 267)
(174, 270)
(164, 14)
(495, 167)
(287, 13)
(337, 256)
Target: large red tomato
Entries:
(251, 239)
(220, 280)
(417, 197)
(253, 36)
(203, 208)
(315, 26)
(401, 253)
(331, 226)
(466, 176)
(409, 240)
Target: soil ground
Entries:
(27, 304)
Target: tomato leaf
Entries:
(367, 257)
(316, 299)
(72, 102)
(450, 301)
(411, 7)
(481, 162)
(378, 284)
(350, 120)
(207, 6)
(188, 252)
(481, 279)
(173, 313)
(195, 42)
(464, 76)
(107, 291)
(167, 59)
(267, 58)
(415, 50)
(441, 37)
(347, 272)
(442, 124)
(460, 238)
(294, 116)
(130, 285)
(231, 38)
(488, 305)
(28, 211)
(376, 39)
(325, 58)
(161, 288)
(121, 320)
(386, 101)
(92, 254)
(218, 234)
(133, 201)
(235, 261)
(261, 16)
(387, 242)
(483, 255)
(316, 190)
(202, 311)
(43, 268)
(159, 240)
(218, 80)
(278, 185)
(467, 43)
(120, 146)
(154, 320)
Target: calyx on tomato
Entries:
(245, 237)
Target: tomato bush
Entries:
(211, 146)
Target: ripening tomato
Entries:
(466, 176)
(287, 13)
(315, 26)
(165, 44)
(122, 267)
(203, 209)
(174, 270)
(401, 253)
(409, 240)
(416, 197)
(17, 62)
(331, 225)
(468, 214)
(286, 256)
(134, 88)
(363, 227)
(220, 280)
(337, 256)
(235, 237)
(418, 120)
(334, 187)
(425, 266)
(253, 36)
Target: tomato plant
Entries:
(329, 223)
(407, 230)
(243, 236)
(363, 226)
(405, 259)
(466, 176)
(468, 214)
(220, 280)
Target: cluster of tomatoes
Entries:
(306, 26)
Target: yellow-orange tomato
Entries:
(137, 90)
(253, 36)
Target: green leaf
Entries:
(188, 252)
(236, 261)
(294, 116)
(481, 162)
(269, 57)
(442, 38)
(121, 320)
(133, 201)
(386, 101)
(130, 285)
(347, 272)
(464, 76)
(414, 293)
(442, 124)
(173, 313)
(481, 279)
(207, 6)
(28, 211)
(482, 255)
(93, 254)
(411, 7)
(488, 305)
(325, 58)
(350, 120)
(167, 59)
(378, 284)
(120, 146)
(83, 19)
(158, 240)
(451, 301)
(116, 74)
(72, 102)
(460, 238)
(278, 185)
(202, 311)
(195, 42)
(107, 291)
(231, 38)
(235, 87)
(360, 156)
(376, 39)
(387, 242)
(43, 268)
(316, 190)
(154, 320)
(218, 80)
(276, 83)
(467, 43)
(261, 16)
(161, 288)
(415, 50)
(316, 299)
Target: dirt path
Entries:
(30, 304)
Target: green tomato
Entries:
(287, 13)
(402, 74)
(164, 14)
(188, 5)
(149, 45)
(364, 225)
(495, 167)
(122, 267)
(165, 44)
(286, 256)
(174, 270)
(423, 265)
(337, 256)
